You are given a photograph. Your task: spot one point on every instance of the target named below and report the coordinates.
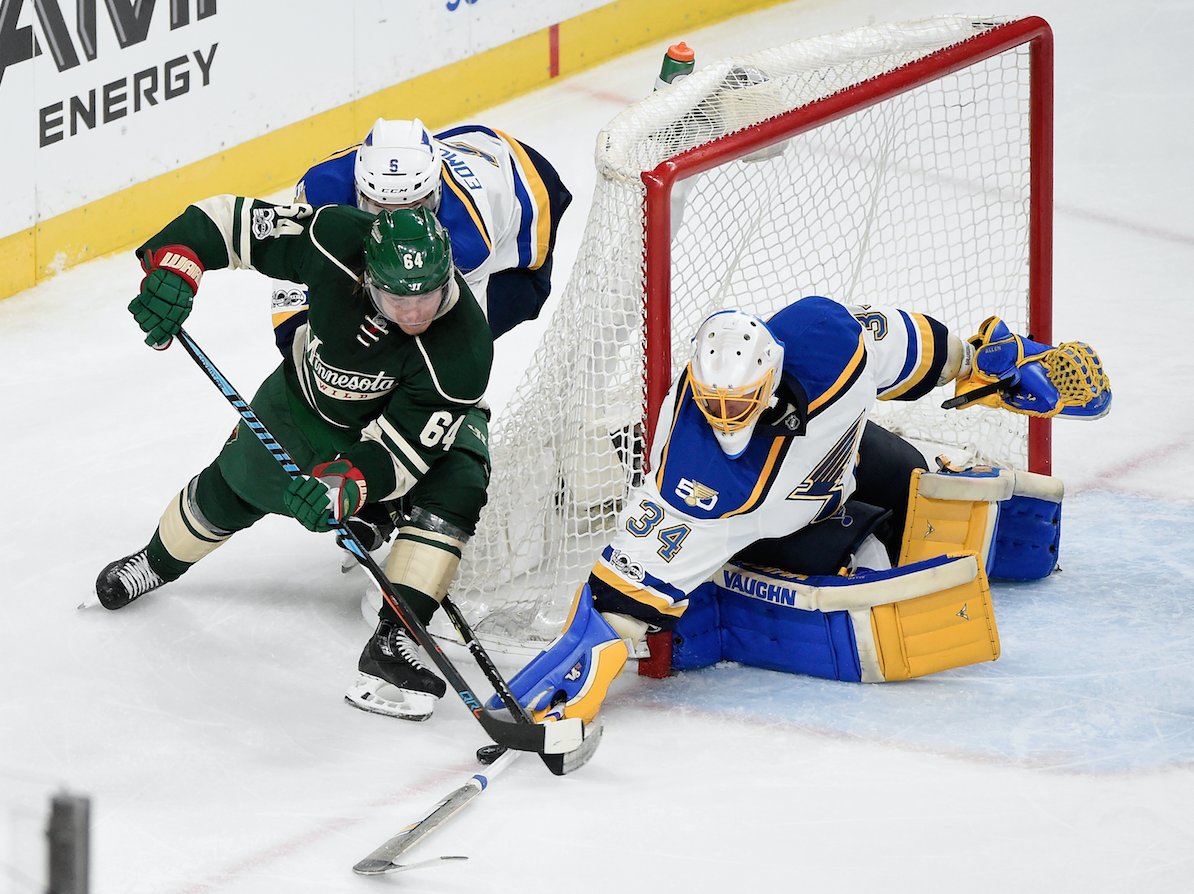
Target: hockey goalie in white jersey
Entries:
(838, 553)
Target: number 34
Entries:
(671, 537)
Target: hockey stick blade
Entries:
(570, 761)
(518, 736)
(381, 868)
(559, 764)
(381, 860)
(564, 753)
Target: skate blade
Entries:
(376, 696)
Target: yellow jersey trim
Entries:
(538, 190)
(467, 201)
(927, 354)
(661, 604)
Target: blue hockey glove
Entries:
(1014, 373)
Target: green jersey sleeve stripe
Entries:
(384, 432)
(244, 245)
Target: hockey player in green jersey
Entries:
(379, 399)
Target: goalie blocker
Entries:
(931, 613)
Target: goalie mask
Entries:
(735, 368)
(397, 166)
(408, 268)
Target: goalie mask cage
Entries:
(905, 164)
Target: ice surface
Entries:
(207, 723)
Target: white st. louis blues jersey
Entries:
(697, 507)
(500, 202)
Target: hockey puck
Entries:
(487, 754)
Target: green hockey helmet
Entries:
(408, 266)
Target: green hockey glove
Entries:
(337, 487)
(172, 277)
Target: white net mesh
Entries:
(920, 201)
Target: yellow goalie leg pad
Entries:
(905, 622)
(937, 631)
(953, 513)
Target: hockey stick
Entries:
(560, 764)
(545, 738)
(381, 861)
(965, 400)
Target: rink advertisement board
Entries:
(121, 111)
(82, 84)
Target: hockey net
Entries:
(902, 164)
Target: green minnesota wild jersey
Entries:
(396, 402)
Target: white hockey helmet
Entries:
(735, 368)
(397, 165)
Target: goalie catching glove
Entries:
(172, 277)
(335, 487)
(1017, 374)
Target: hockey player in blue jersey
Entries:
(763, 454)
(500, 201)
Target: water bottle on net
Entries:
(678, 62)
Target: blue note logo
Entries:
(693, 493)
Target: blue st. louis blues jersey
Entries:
(699, 507)
(501, 203)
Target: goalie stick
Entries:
(965, 400)
(555, 738)
(381, 860)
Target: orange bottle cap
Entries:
(681, 52)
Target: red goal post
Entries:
(1033, 32)
(907, 164)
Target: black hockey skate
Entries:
(125, 580)
(393, 680)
